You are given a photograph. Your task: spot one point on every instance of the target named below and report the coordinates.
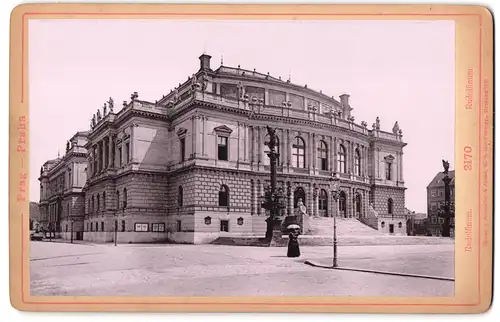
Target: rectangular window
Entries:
(139, 227)
(224, 225)
(102, 225)
(179, 225)
(433, 193)
(388, 171)
(183, 149)
(127, 152)
(120, 159)
(160, 227)
(222, 148)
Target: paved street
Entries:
(212, 270)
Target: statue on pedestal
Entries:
(272, 138)
(241, 91)
(395, 128)
(446, 166)
(98, 115)
(111, 104)
(104, 109)
(377, 123)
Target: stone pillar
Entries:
(335, 155)
(133, 134)
(247, 143)
(290, 201)
(253, 158)
(309, 151)
(283, 145)
(204, 135)
(310, 200)
(238, 146)
(314, 152)
(289, 149)
(401, 176)
(254, 197)
(330, 155)
(111, 163)
(378, 163)
(261, 193)
(316, 203)
(194, 135)
(259, 145)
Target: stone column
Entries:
(378, 163)
(194, 135)
(283, 145)
(259, 145)
(401, 177)
(310, 200)
(314, 152)
(309, 151)
(254, 197)
(247, 145)
(111, 163)
(238, 146)
(261, 193)
(330, 155)
(335, 155)
(133, 134)
(290, 201)
(204, 135)
(253, 158)
(289, 149)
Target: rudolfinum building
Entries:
(192, 166)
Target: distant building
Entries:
(435, 201)
(61, 196)
(34, 216)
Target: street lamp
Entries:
(335, 194)
(116, 230)
(71, 219)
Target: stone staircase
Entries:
(323, 226)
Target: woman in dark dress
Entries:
(293, 244)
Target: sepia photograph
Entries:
(207, 157)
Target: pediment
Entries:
(181, 131)
(223, 130)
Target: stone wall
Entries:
(381, 194)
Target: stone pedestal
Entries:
(274, 232)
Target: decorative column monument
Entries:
(273, 198)
(446, 208)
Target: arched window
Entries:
(357, 163)
(180, 196)
(341, 159)
(224, 196)
(124, 197)
(98, 202)
(266, 160)
(298, 153)
(390, 206)
(358, 204)
(323, 202)
(323, 156)
(117, 199)
(342, 204)
(104, 200)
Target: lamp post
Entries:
(335, 194)
(71, 219)
(273, 198)
(116, 230)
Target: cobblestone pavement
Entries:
(212, 270)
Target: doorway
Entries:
(391, 228)
(299, 193)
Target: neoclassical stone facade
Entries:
(61, 191)
(192, 166)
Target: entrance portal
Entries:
(391, 228)
(299, 193)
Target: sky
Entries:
(397, 70)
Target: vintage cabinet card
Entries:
(251, 158)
